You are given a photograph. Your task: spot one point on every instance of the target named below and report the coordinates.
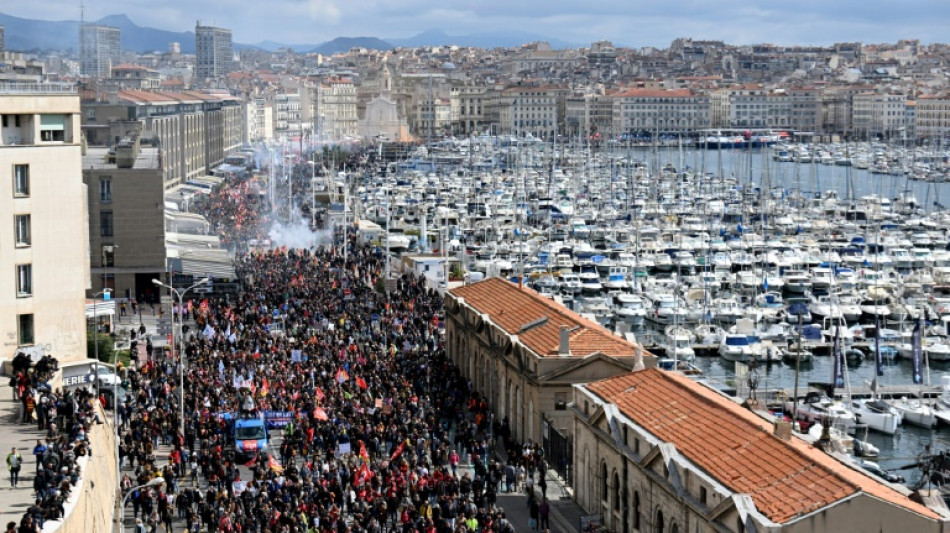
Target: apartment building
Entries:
(99, 50)
(214, 52)
(43, 243)
(531, 110)
(663, 110)
(258, 119)
(336, 116)
(467, 108)
(932, 117)
(878, 115)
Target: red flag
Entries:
(363, 454)
(398, 451)
(342, 376)
(274, 465)
(362, 475)
(361, 383)
(320, 414)
(251, 463)
(320, 395)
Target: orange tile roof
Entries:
(511, 307)
(785, 479)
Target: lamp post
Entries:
(181, 353)
(313, 191)
(121, 515)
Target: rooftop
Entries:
(32, 88)
(512, 307)
(785, 479)
(96, 158)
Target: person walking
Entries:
(543, 511)
(14, 462)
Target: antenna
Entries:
(82, 12)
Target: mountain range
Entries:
(32, 34)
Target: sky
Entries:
(634, 23)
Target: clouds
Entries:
(631, 22)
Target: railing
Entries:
(16, 87)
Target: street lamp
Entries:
(121, 520)
(313, 191)
(181, 352)
(106, 295)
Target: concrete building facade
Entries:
(43, 245)
(214, 52)
(126, 217)
(99, 50)
(932, 117)
(679, 110)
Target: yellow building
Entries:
(44, 268)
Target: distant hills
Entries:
(31, 34)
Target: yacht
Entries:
(815, 406)
(914, 411)
(877, 415)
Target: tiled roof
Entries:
(785, 479)
(512, 307)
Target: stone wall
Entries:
(91, 506)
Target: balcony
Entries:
(30, 88)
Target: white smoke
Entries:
(298, 235)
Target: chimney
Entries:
(783, 429)
(564, 346)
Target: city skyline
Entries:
(635, 24)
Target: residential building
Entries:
(657, 451)
(129, 76)
(878, 115)
(336, 116)
(660, 110)
(524, 352)
(933, 116)
(99, 50)
(288, 114)
(467, 103)
(382, 121)
(214, 52)
(531, 110)
(3, 42)
(43, 244)
(259, 120)
(16, 67)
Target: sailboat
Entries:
(912, 410)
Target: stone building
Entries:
(524, 352)
(657, 452)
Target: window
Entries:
(604, 493)
(25, 329)
(23, 234)
(53, 128)
(702, 495)
(105, 224)
(108, 255)
(24, 280)
(105, 189)
(616, 492)
(636, 510)
(21, 180)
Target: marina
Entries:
(775, 253)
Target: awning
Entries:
(53, 122)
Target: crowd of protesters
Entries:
(374, 419)
(65, 417)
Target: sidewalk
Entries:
(23, 436)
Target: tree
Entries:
(106, 347)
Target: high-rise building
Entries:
(43, 239)
(215, 54)
(98, 50)
(3, 45)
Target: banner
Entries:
(838, 353)
(916, 345)
(879, 359)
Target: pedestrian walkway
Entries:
(23, 437)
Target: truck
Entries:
(250, 436)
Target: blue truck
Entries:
(250, 436)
